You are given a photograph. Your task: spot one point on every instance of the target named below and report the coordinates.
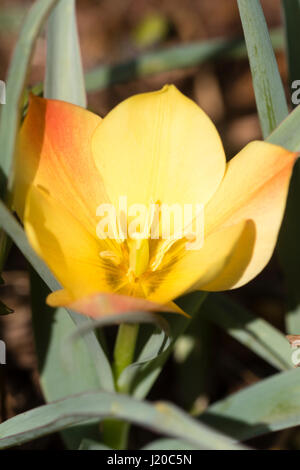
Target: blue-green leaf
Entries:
(269, 93)
(64, 74)
(270, 405)
(16, 80)
(161, 417)
(253, 332)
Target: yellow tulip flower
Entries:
(154, 147)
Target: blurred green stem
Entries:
(124, 349)
(115, 433)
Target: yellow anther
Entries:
(111, 256)
(164, 248)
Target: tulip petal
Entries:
(68, 248)
(187, 270)
(175, 308)
(254, 187)
(159, 146)
(54, 152)
(60, 298)
(102, 304)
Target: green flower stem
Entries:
(115, 433)
(124, 349)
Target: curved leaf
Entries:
(270, 405)
(253, 332)
(269, 93)
(160, 417)
(17, 74)
(64, 75)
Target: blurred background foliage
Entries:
(211, 66)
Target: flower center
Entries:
(143, 256)
(135, 259)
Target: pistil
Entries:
(138, 256)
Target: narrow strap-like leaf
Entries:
(270, 405)
(253, 332)
(17, 74)
(160, 417)
(269, 93)
(64, 74)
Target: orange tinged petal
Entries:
(254, 187)
(68, 248)
(102, 304)
(54, 152)
(60, 298)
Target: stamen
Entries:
(138, 256)
(154, 223)
(111, 256)
(164, 248)
(131, 276)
